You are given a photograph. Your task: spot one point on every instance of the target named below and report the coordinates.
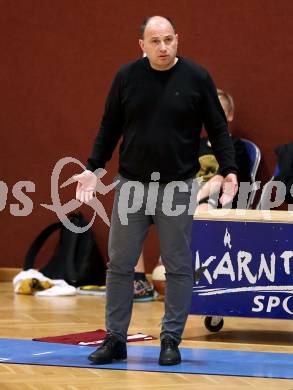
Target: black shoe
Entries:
(170, 354)
(111, 349)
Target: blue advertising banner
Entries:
(243, 269)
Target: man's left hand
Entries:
(229, 189)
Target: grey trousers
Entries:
(126, 242)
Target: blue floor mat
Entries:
(145, 358)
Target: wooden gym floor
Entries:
(27, 317)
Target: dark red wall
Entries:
(57, 62)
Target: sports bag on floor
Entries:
(77, 259)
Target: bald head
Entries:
(154, 22)
(159, 42)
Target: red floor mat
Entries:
(90, 339)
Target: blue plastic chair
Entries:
(254, 155)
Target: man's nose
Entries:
(163, 47)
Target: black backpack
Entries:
(77, 259)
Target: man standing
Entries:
(158, 105)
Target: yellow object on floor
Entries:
(30, 286)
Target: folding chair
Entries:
(254, 155)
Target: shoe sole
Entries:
(169, 363)
(97, 361)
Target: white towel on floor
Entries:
(60, 288)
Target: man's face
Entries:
(160, 43)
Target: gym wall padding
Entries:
(57, 62)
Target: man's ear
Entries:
(176, 37)
(141, 44)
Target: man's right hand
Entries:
(86, 185)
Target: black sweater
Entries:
(159, 115)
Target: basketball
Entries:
(159, 279)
